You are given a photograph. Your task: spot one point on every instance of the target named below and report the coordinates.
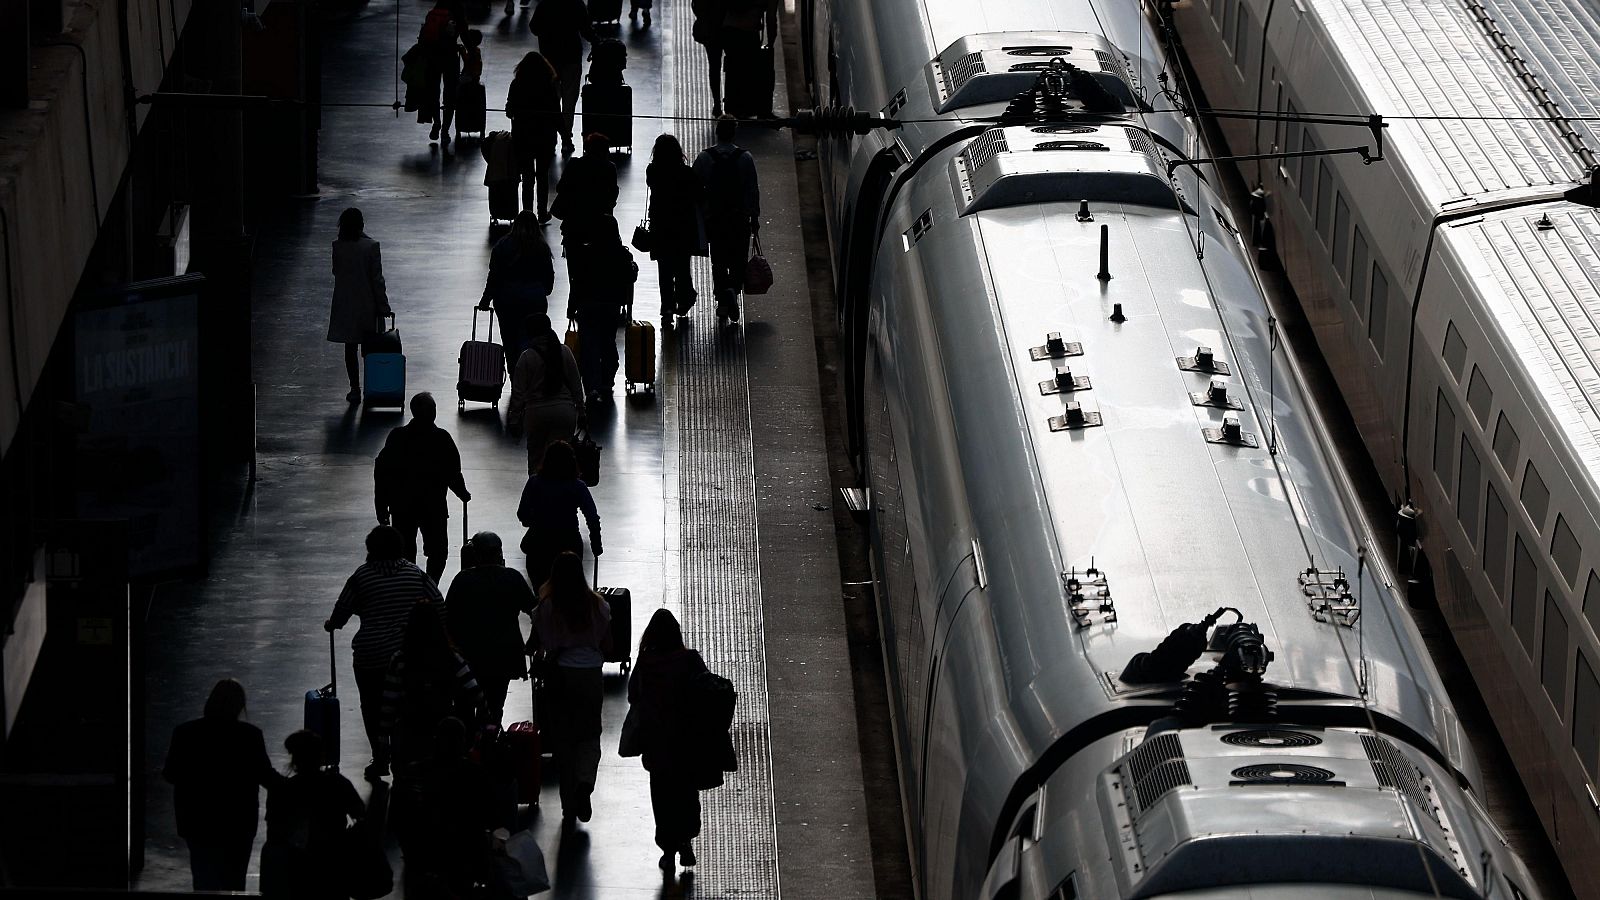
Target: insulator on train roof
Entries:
(1117, 314)
(1084, 214)
(1171, 658)
(1105, 253)
(837, 120)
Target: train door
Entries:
(860, 243)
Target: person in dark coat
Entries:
(733, 212)
(418, 463)
(572, 630)
(603, 273)
(546, 392)
(658, 698)
(359, 296)
(427, 681)
(307, 815)
(551, 502)
(708, 16)
(382, 592)
(216, 764)
(562, 27)
(439, 37)
(587, 191)
(481, 612)
(533, 104)
(677, 227)
(521, 276)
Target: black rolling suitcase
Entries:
(472, 115)
(750, 81)
(322, 710)
(620, 599)
(608, 109)
(605, 11)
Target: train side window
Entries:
(1444, 440)
(1479, 397)
(1308, 184)
(1524, 596)
(1241, 36)
(1378, 323)
(1553, 661)
(1324, 217)
(1358, 273)
(1467, 494)
(1506, 446)
(1565, 551)
(1341, 239)
(1496, 543)
(1219, 9)
(1586, 717)
(1229, 7)
(1455, 351)
(1535, 497)
(1290, 168)
(1591, 601)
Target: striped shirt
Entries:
(382, 594)
(437, 700)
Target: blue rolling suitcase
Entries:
(322, 710)
(385, 379)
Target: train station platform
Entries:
(715, 495)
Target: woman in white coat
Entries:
(359, 297)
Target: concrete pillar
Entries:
(14, 48)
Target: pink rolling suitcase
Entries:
(483, 367)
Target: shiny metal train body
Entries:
(1021, 561)
(1455, 291)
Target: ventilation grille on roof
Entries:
(1110, 63)
(984, 148)
(1038, 51)
(1155, 768)
(1141, 142)
(1392, 769)
(1063, 129)
(1271, 737)
(1284, 773)
(963, 70)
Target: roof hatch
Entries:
(1068, 162)
(994, 67)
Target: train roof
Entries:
(1492, 132)
(1537, 270)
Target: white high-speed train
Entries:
(1077, 434)
(1455, 291)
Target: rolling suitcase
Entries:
(385, 380)
(472, 115)
(483, 370)
(608, 109)
(322, 710)
(503, 201)
(620, 600)
(525, 754)
(640, 347)
(605, 11)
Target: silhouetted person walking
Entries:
(448, 844)
(382, 592)
(546, 392)
(438, 37)
(733, 212)
(587, 191)
(562, 27)
(216, 764)
(708, 17)
(572, 628)
(427, 681)
(677, 226)
(481, 611)
(307, 815)
(418, 464)
(551, 502)
(533, 104)
(521, 276)
(359, 296)
(658, 698)
(603, 273)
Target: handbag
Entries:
(632, 741)
(588, 456)
(384, 336)
(643, 240)
(757, 272)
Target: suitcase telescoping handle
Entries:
(464, 538)
(475, 310)
(386, 317)
(333, 667)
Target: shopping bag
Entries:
(632, 741)
(521, 867)
(364, 865)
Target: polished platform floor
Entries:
(714, 497)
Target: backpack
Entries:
(606, 61)
(725, 186)
(437, 27)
